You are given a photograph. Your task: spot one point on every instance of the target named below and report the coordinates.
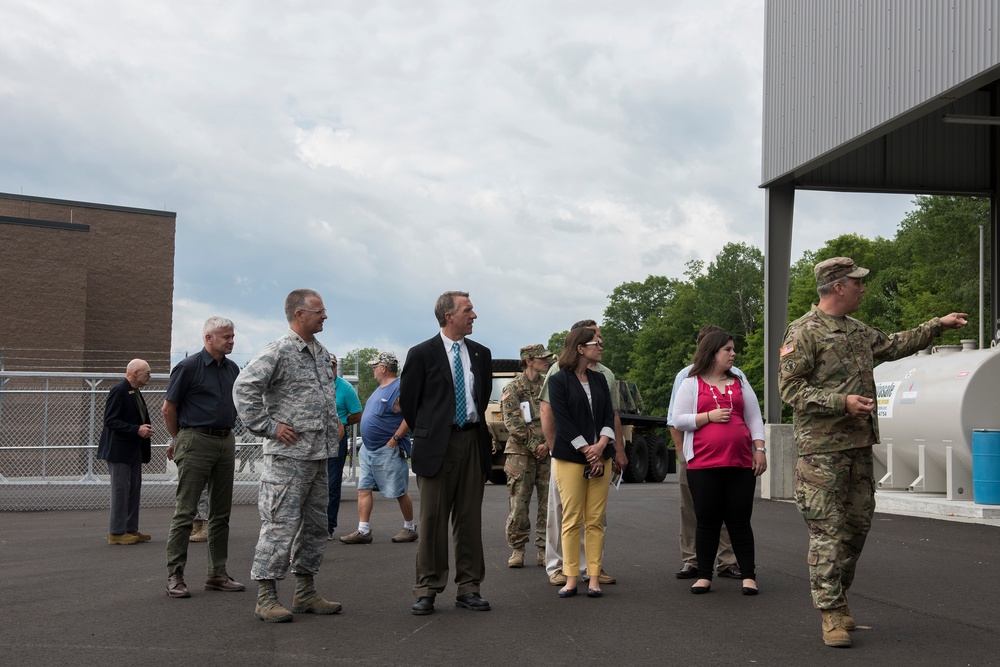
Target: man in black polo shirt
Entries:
(200, 415)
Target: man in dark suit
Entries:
(125, 446)
(444, 388)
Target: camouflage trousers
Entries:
(835, 494)
(525, 473)
(292, 504)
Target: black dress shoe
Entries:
(472, 601)
(423, 606)
(594, 593)
(567, 592)
(699, 590)
(689, 571)
(730, 572)
(749, 590)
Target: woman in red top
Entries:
(724, 449)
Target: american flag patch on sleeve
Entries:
(788, 349)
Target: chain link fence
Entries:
(50, 426)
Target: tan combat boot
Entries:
(541, 556)
(834, 632)
(849, 623)
(199, 531)
(517, 558)
(307, 601)
(268, 608)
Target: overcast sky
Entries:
(536, 154)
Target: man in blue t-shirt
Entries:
(383, 456)
(349, 411)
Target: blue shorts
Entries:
(386, 469)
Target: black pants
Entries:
(723, 495)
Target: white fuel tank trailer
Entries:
(928, 406)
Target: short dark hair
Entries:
(704, 356)
(570, 358)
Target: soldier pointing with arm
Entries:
(825, 374)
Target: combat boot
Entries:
(849, 623)
(199, 531)
(834, 633)
(307, 601)
(517, 558)
(268, 608)
(541, 556)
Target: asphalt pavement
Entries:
(926, 593)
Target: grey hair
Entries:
(214, 323)
(827, 289)
(296, 300)
(446, 305)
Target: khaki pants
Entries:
(585, 503)
(202, 459)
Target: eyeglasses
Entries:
(321, 311)
(594, 342)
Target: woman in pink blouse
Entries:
(724, 449)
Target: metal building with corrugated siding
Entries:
(898, 96)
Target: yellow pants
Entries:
(585, 502)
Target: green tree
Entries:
(665, 345)
(358, 359)
(935, 281)
(556, 342)
(731, 291)
(629, 306)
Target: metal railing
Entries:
(50, 426)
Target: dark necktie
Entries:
(460, 409)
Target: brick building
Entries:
(84, 287)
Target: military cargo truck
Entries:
(649, 459)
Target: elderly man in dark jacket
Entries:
(125, 445)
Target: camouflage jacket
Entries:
(524, 437)
(286, 383)
(825, 358)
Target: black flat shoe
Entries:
(567, 593)
(698, 590)
(750, 591)
(594, 593)
(423, 606)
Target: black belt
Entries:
(217, 432)
(468, 426)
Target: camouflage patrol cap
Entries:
(835, 268)
(535, 351)
(385, 358)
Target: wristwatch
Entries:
(761, 449)
(396, 438)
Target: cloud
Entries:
(534, 154)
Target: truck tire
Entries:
(638, 460)
(659, 460)
(498, 476)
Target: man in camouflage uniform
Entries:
(287, 394)
(527, 463)
(825, 374)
